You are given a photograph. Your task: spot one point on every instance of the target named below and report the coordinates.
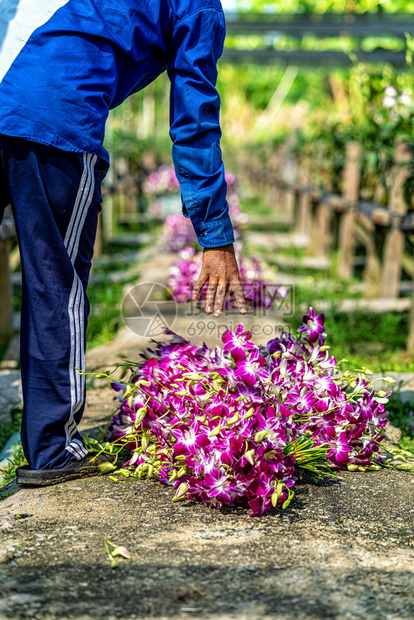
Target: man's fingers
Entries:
(220, 296)
(202, 279)
(211, 295)
(237, 289)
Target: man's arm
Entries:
(195, 130)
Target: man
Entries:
(63, 65)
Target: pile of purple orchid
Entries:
(254, 274)
(239, 424)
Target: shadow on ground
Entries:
(343, 549)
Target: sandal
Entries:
(88, 466)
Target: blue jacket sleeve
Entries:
(197, 44)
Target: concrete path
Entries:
(343, 549)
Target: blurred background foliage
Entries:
(325, 6)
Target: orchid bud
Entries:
(351, 467)
(260, 436)
(123, 472)
(324, 347)
(173, 476)
(361, 468)
(249, 413)
(145, 440)
(401, 457)
(233, 419)
(389, 380)
(382, 394)
(286, 503)
(124, 553)
(214, 432)
(249, 455)
(181, 492)
(105, 468)
(128, 393)
(163, 452)
(182, 471)
(274, 500)
(217, 386)
(180, 457)
(367, 371)
(192, 376)
(202, 419)
(140, 415)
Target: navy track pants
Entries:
(55, 198)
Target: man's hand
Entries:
(221, 272)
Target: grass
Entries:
(9, 472)
(8, 428)
(374, 340)
(254, 207)
(105, 301)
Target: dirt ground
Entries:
(343, 549)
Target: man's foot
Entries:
(88, 466)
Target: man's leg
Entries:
(55, 200)
(4, 196)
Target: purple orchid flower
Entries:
(313, 326)
(237, 343)
(252, 368)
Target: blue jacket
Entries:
(65, 64)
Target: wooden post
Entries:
(395, 238)
(274, 165)
(321, 235)
(289, 177)
(410, 339)
(98, 240)
(304, 218)
(350, 191)
(366, 232)
(6, 310)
